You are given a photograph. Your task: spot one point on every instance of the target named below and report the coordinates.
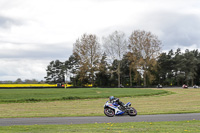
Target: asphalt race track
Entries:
(97, 119)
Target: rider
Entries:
(116, 101)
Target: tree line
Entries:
(130, 61)
(177, 68)
(20, 81)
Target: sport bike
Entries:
(112, 109)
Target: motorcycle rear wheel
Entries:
(109, 112)
(132, 111)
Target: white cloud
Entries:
(183, 48)
(11, 69)
(39, 31)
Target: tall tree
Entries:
(132, 58)
(115, 46)
(146, 47)
(103, 75)
(55, 72)
(197, 78)
(179, 67)
(191, 61)
(127, 71)
(72, 64)
(88, 51)
(165, 68)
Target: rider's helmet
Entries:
(111, 98)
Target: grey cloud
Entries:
(37, 51)
(6, 22)
(185, 31)
(175, 28)
(172, 28)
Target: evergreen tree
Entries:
(55, 72)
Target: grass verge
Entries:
(192, 126)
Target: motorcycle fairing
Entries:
(128, 104)
(117, 111)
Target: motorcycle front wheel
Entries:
(109, 112)
(132, 111)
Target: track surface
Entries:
(97, 119)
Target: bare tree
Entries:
(146, 48)
(88, 51)
(115, 46)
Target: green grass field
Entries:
(50, 103)
(192, 126)
(34, 95)
(178, 101)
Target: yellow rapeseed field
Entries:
(27, 85)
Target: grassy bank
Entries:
(181, 101)
(192, 126)
(55, 94)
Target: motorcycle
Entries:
(185, 86)
(112, 109)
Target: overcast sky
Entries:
(35, 32)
